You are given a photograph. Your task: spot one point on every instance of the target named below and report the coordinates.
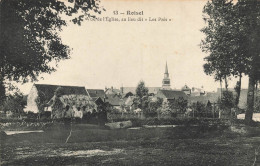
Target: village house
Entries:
(211, 97)
(96, 93)
(71, 106)
(114, 100)
(128, 102)
(243, 96)
(112, 91)
(151, 90)
(186, 90)
(197, 91)
(170, 95)
(98, 101)
(41, 94)
(129, 94)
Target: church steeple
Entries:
(166, 69)
(166, 74)
(166, 83)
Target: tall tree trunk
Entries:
(226, 83)
(256, 91)
(220, 81)
(250, 100)
(238, 89)
(2, 90)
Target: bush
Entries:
(137, 122)
(14, 103)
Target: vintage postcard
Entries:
(130, 82)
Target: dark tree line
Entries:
(233, 44)
(30, 43)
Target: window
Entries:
(67, 108)
(166, 82)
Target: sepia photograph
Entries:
(130, 82)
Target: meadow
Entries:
(94, 145)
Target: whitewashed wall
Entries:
(256, 117)
(31, 101)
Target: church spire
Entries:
(166, 83)
(166, 69)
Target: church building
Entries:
(166, 83)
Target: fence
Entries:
(192, 114)
(112, 116)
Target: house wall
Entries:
(160, 95)
(31, 101)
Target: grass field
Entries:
(184, 145)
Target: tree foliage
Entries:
(233, 43)
(166, 110)
(156, 105)
(218, 33)
(179, 104)
(142, 99)
(141, 90)
(14, 103)
(227, 101)
(30, 43)
(199, 108)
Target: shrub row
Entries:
(174, 121)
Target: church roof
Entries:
(173, 94)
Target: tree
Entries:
(233, 43)
(217, 41)
(14, 103)
(141, 94)
(166, 109)
(141, 90)
(208, 107)
(145, 106)
(223, 42)
(136, 103)
(30, 43)
(227, 101)
(199, 108)
(250, 28)
(182, 104)
(155, 106)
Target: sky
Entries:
(106, 54)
